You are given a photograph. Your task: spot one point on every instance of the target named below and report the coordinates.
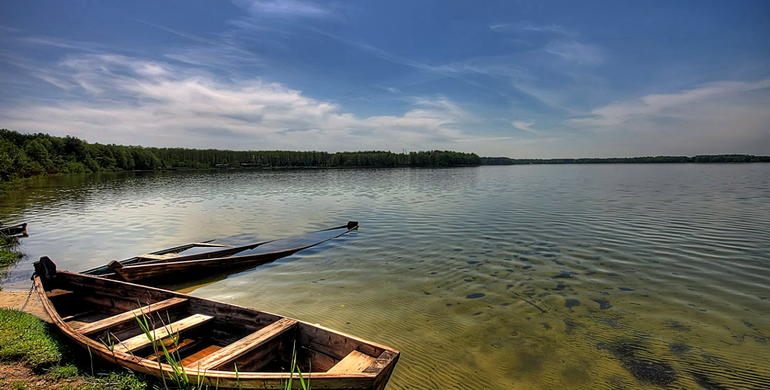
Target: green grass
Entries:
(24, 337)
(39, 345)
(62, 371)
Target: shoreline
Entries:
(14, 300)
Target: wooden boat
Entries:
(217, 344)
(205, 257)
(13, 230)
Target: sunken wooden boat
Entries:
(217, 344)
(13, 230)
(211, 256)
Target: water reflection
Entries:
(620, 276)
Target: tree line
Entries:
(709, 158)
(26, 155)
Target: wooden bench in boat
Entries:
(353, 363)
(237, 349)
(107, 323)
(138, 342)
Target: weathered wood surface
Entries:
(119, 319)
(354, 362)
(181, 345)
(325, 347)
(199, 355)
(158, 334)
(58, 292)
(243, 346)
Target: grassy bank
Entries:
(34, 355)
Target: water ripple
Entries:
(623, 276)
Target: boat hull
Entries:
(227, 336)
(13, 230)
(165, 266)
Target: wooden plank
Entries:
(171, 348)
(355, 362)
(319, 362)
(200, 355)
(129, 316)
(78, 315)
(244, 345)
(386, 359)
(141, 341)
(334, 343)
(58, 293)
(109, 290)
(150, 256)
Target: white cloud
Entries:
(284, 8)
(669, 105)
(525, 126)
(158, 104)
(721, 117)
(525, 26)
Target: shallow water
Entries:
(526, 277)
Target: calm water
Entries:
(528, 277)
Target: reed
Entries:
(295, 368)
(178, 375)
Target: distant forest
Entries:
(708, 158)
(26, 155)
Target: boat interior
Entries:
(201, 334)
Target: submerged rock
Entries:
(571, 303)
(650, 371)
(603, 303)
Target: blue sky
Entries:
(508, 78)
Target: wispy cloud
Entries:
(284, 8)
(524, 26)
(720, 117)
(576, 52)
(62, 43)
(525, 126)
(454, 71)
(670, 105)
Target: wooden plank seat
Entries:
(107, 323)
(354, 362)
(237, 349)
(180, 346)
(138, 342)
(199, 355)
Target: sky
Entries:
(522, 79)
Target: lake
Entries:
(525, 277)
